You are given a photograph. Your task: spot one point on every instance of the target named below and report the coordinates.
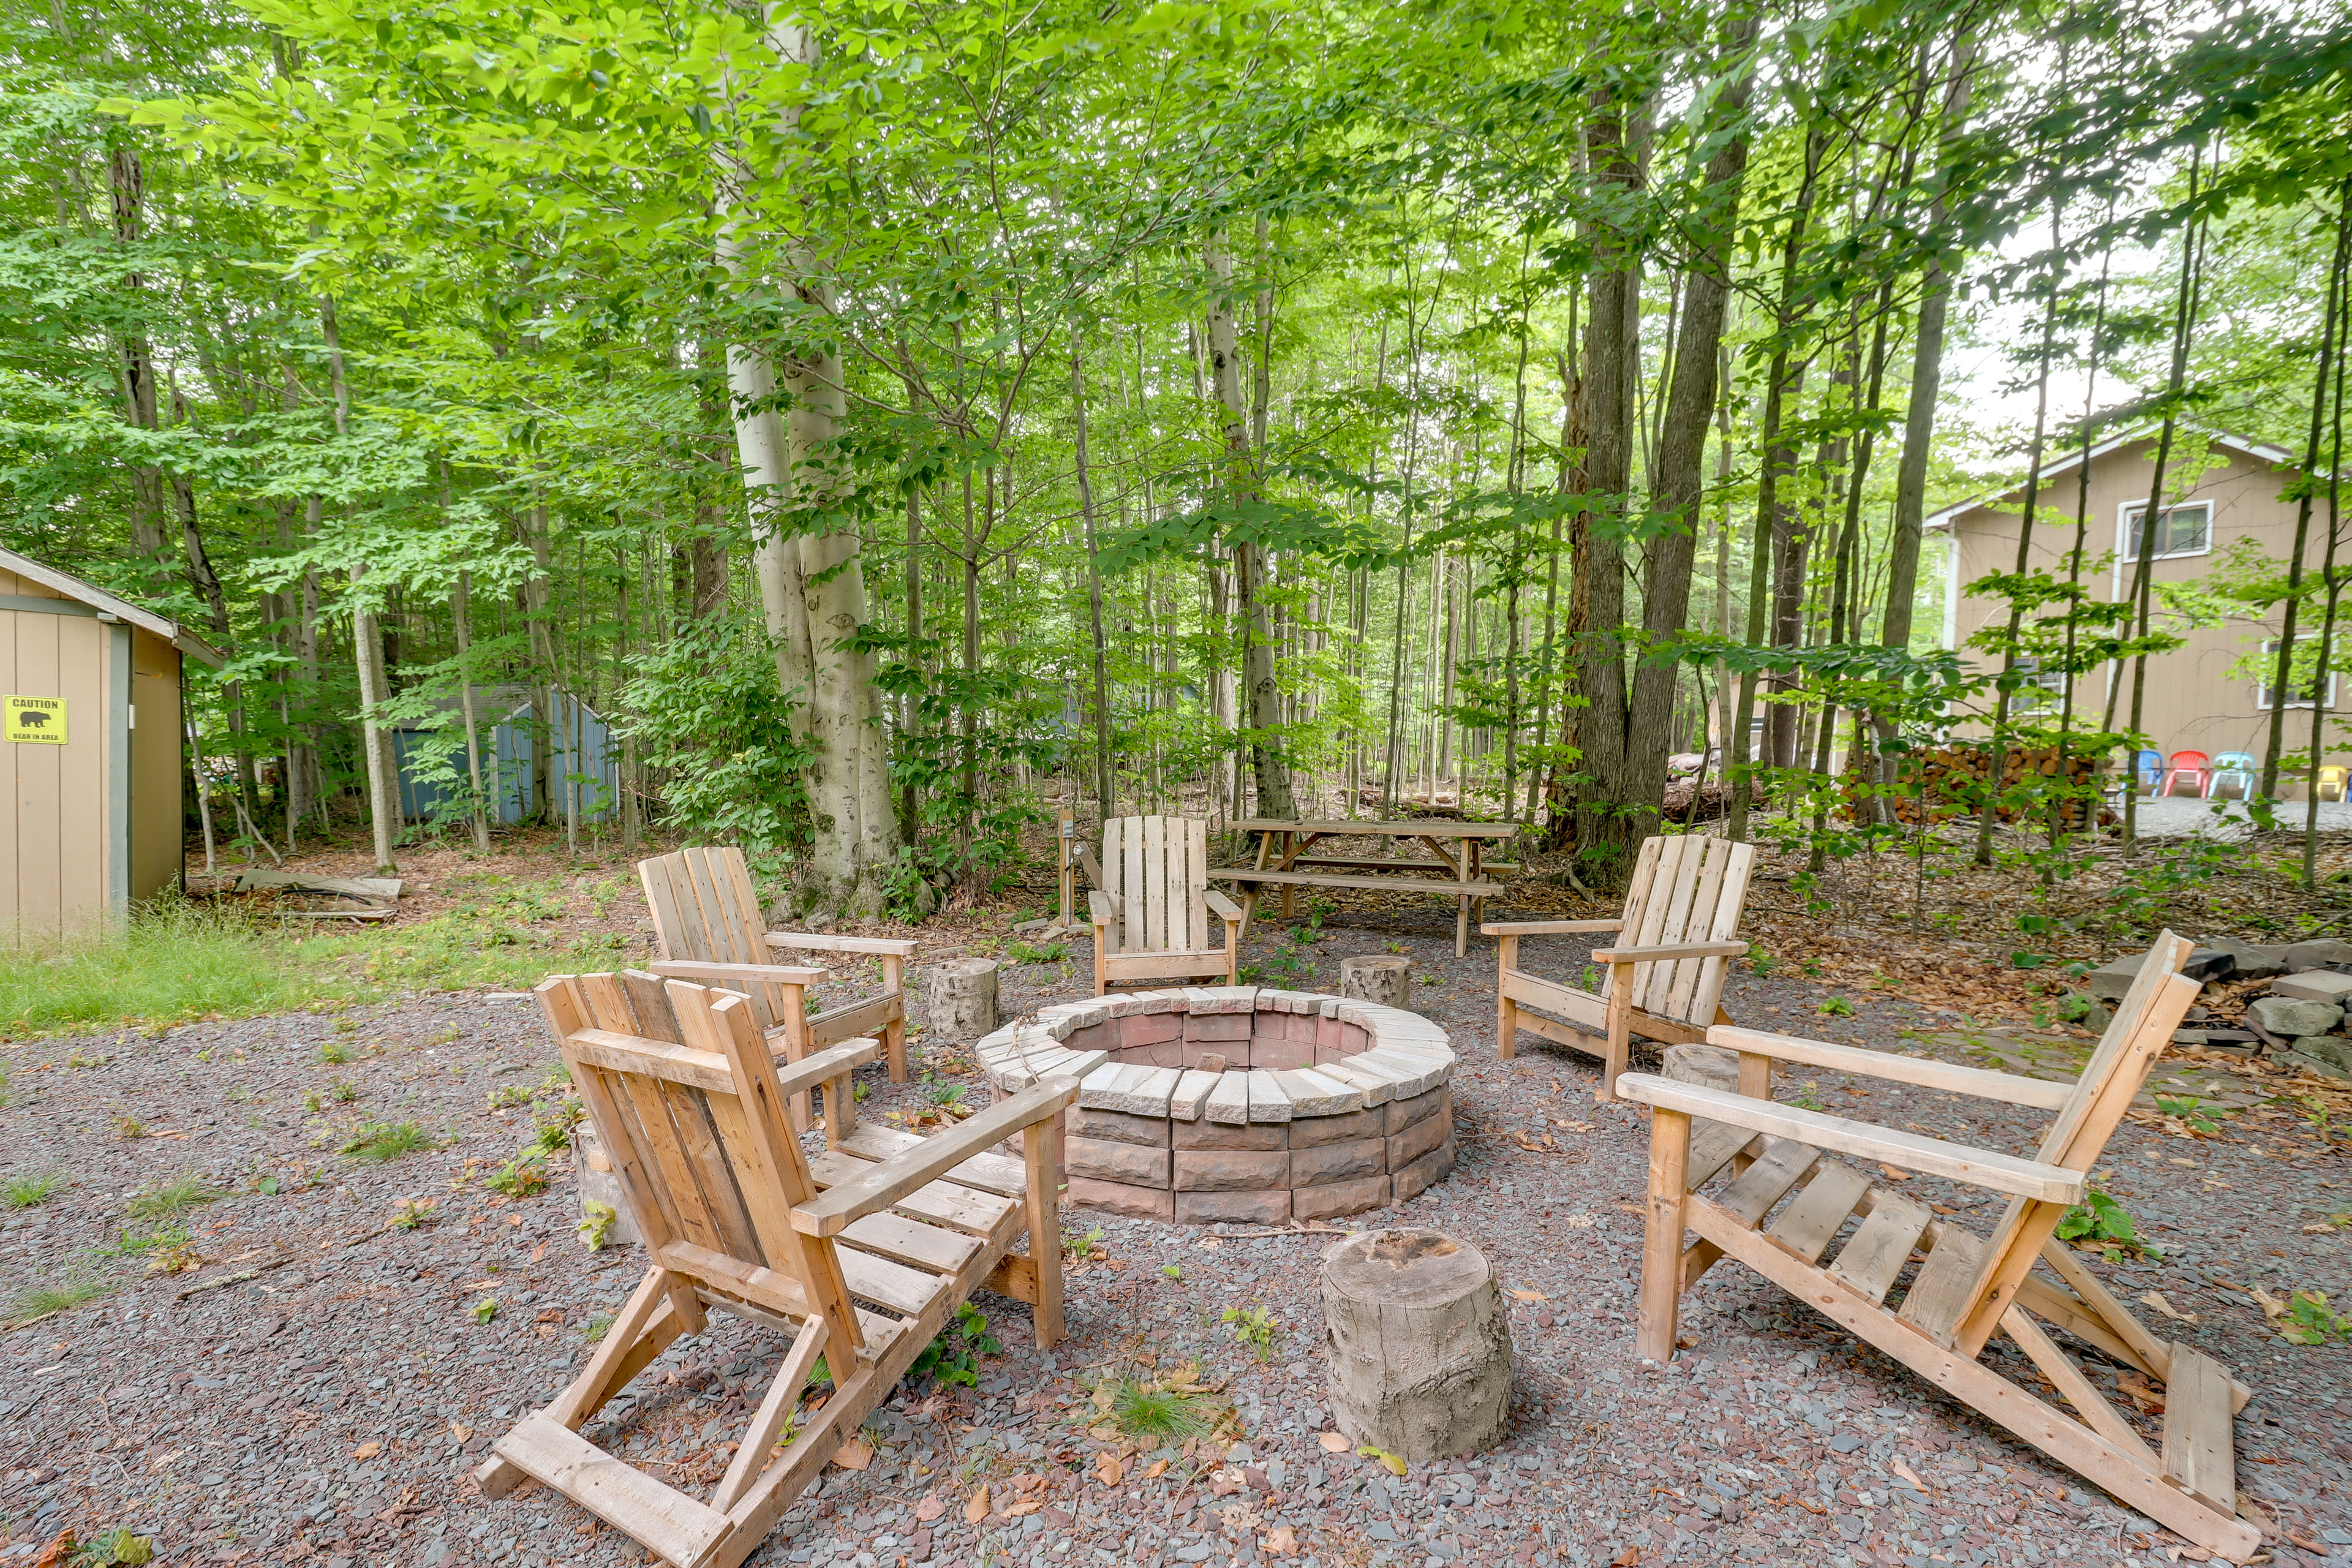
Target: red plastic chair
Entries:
(2196, 764)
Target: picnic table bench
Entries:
(1459, 867)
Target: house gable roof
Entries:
(2238, 446)
(106, 605)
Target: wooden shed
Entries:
(90, 797)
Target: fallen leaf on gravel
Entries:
(1808, 1505)
(1908, 1474)
(367, 1450)
(1108, 1470)
(1627, 1558)
(460, 1431)
(1238, 1518)
(1226, 1482)
(977, 1509)
(56, 1552)
(1333, 1443)
(1395, 1464)
(1159, 1468)
(930, 1508)
(1578, 1222)
(854, 1455)
(2271, 1305)
(2155, 1299)
(1282, 1541)
(1529, 1295)
(1895, 1176)
(1019, 1508)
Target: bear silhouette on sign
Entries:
(33, 718)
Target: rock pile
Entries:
(2296, 1020)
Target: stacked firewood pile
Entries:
(1951, 780)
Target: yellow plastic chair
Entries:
(2331, 783)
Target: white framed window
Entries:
(2183, 529)
(2306, 692)
(2043, 691)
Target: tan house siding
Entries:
(57, 869)
(2193, 699)
(156, 790)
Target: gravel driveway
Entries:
(327, 1404)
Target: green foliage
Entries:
(2194, 1112)
(334, 1053)
(953, 1358)
(1255, 1326)
(2310, 1321)
(520, 1177)
(554, 1130)
(377, 1142)
(27, 1191)
(483, 1310)
(176, 1196)
(705, 707)
(1837, 1007)
(410, 1213)
(61, 1294)
(595, 1220)
(1160, 1417)
(111, 1547)
(2102, 1225)
(1022, 953)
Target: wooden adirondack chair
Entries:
(1152, 903)
(861, 1255)
(1969, 1287)
(1665, 984)
(708, 921)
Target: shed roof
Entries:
(106, 604)
(2244, 447)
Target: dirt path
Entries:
(329, 1407)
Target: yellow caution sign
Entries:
(41, 718)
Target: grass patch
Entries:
(62, 1295)
(1145, 1410)
(178, 1195)
(134, 1243)
(176, 962)
(378, 1141)
(24, 1192)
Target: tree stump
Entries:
(1417, 1344)
(961, 1000)
(1387, 981)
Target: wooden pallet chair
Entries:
(1152, 904)
(1663, 983)
(707, 922)
(1969, 1287)
(861, 1255)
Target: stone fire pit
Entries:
(1238, 1102)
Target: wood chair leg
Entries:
(783, 1393)
(1661, 1242)
(1102, 957)
(1619, 1047)
(894, 1033)
(647, 1324)
(1041, 1153)
(840, 1110)
(1232, 953)
(1507, 1012)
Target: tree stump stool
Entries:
(1417, 1344)
(961, 1001)
(1387, 981)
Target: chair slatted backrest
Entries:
(2078, 1135)
(1684, 887)
(683, 1092)
(705, 909)
(1158, 867)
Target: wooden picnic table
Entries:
(1284, 847)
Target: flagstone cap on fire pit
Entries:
(1238, 1102)
(1137, 1052)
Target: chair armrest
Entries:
(774, 974)
(1087, 863)
(1924, 1071)
(1669, 950)
(815, 1071)
(833, 1212)
(1103, 907)
(1986, 1168)
(1223, 908)
(819, 942)
(1545, 928)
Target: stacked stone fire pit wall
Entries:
(1238, 1102)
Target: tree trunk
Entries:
(127, 182)
(1417, 1346)
(463, 621)
(1387, 981)
(960, 1003)
(1104, 799)
(1611, 367)
(1259, 690)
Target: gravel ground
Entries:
(329, 1407)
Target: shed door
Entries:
(60, 808)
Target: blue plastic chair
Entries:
(2150, 766)
(2239, 766)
